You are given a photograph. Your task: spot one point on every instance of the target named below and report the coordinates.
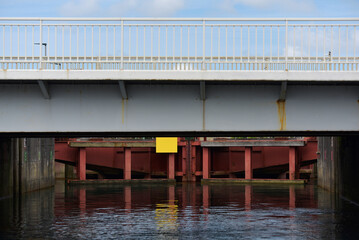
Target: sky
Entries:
(179, 8)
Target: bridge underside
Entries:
(178, 108)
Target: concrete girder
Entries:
(44, 89)
(202, 86)
(180, 75)
(123, 89)
(283, 91)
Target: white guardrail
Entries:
(180, 44)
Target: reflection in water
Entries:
(181, 211)
(166, 216)
(166, 213)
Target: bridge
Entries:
(194, 76)
(131, 159)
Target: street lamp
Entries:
(43, 44)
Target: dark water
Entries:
(187, 211)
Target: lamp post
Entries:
(43, 44)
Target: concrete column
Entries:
(206, 168)
(248, 163)
(127, 173)
(292, 163)
(81, 164)
(69, 172)
(171, 166)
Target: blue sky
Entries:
(179, 8)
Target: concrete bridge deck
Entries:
(131, 77)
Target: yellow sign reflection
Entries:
(166, 216)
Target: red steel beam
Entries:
(206, 163)
(248, 163)
(171, 166)
(292, 163)
(81, 164)
(128, 161)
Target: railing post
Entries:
(204, 44)
(286, 44)
(40, 40)
(122, 44)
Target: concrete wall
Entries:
(26, 164)
(6, 168)
(338, 165)
(38, 161)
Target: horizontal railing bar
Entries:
(19, 24)
(183, 25)
(201, 25)
(173, 19)
(177, 59)
(184, 57)
(321, 25)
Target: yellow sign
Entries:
(166, 145)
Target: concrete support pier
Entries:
(26, 164)
(338, 166)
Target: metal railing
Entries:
(180, 44)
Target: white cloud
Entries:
(269, 5)
(76, 8)
(163, 7)
(106, 8)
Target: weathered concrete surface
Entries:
(69, 172)
(59, 170)
(338, 165)
(38, 164)
(6, 169)
(26, 164)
